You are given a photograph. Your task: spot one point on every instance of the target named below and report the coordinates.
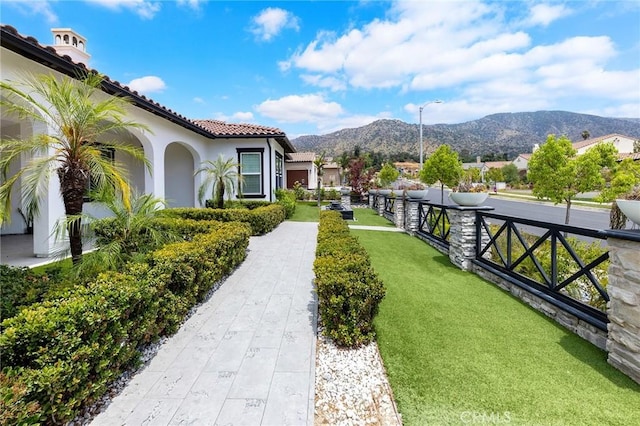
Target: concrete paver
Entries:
(246, 356)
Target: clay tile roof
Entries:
(300, 157)
(635, 156)
(331, 165)
(525, 156)
(496, 164)
(592, 141)
(221, 129)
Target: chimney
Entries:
(478, 159)
(68, 42)
(535, 147)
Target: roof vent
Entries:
(68, 42)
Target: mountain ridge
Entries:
(510, 133)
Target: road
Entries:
(590, 218)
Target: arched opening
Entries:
(178, 176)
(66, 39)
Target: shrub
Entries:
(262, 219)
(287, 199)
(59, 355)
(349, 291)
(20, 287)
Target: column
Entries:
(345, 200)
(398, 214)
(623, 309)
(462, 237)
(412, 216)
(380, 205)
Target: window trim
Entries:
(260, 151)
(279, 171)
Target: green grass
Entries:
(457, 348)
(306, 211)
(64, 265)
(369, 217)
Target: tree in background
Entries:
(557, 174)
(319, 162)
(343, 162)
(585, 134)
(510, 173)
(636, 146)
(220, 174)
(473, 174)
(83, 124)
(495, 175)
(359, 176)
(388, 174)
(442, 166)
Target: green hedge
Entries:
(20, 287)
(261, 219)
(60, 355)
(287, 198)
(349, 291)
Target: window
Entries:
(250, 160)
(106, 153)
(279, 171)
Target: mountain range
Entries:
(505, 133)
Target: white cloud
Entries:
(192, 4)
(143, 8)
(243, 116)
(148, 84)
(544, 14)
(31, 7)
(199, 100)
(332, 83)
(300, 108)
(271, 21)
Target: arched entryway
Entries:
(179, 165)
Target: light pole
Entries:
(437, 101)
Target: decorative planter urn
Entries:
(384, 192)
(417, 194)
(345, 191)
(469, 198)
(631, 209)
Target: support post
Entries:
(462, 236)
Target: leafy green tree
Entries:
(220, 174)
(585, 134)
(624, 178)
(557, 174)
(388, 174)
(495, 175)
(510, 173)
(473, 174)
(78, 116)
(636, 146)
(442, 166)
(343, 162)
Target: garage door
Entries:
(299, 176)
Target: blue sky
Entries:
(319, 66)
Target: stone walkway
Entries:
(247, 356)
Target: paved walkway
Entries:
(247, 356)
(376, 228)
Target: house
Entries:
(522, 162)
(623, 144)
(407, 167)
(299, 168)
(331, 174)
(175, 147)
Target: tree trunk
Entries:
(73, 183)
(566, 218)
(441, 193)
(220, 195)
(318, 189)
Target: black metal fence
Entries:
(551, 261)
(433, 223)
(389, 207)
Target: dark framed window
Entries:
(251, 170)
(279, 171)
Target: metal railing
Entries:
(433, 223)
(550, 260)
(374, 205)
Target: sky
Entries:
(315, 67)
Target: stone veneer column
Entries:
(345, 200)
(398, 213)
(412, 216)
(380, 205)
(462, 235)
(371, 199)
(623, 309)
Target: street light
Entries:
(437, 101)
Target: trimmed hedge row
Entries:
(349, 291)
(261, 219)
(60, 355)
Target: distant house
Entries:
(300, 168)
(522, 162)
(331, 176)
(482, 166)
(635, 156)
(175, 147)
(407, 167)
(622, 143)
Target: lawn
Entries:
(308, 212)
(369, 217)
(460, 350)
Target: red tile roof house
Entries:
(300, 168)
(175, 148)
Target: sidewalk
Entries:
(247, 356)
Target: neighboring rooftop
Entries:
(592, 141)
(301, 157)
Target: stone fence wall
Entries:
(621, 341)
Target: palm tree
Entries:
(220, 174)
(585, 134)
(319, 162)
(78, 116)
